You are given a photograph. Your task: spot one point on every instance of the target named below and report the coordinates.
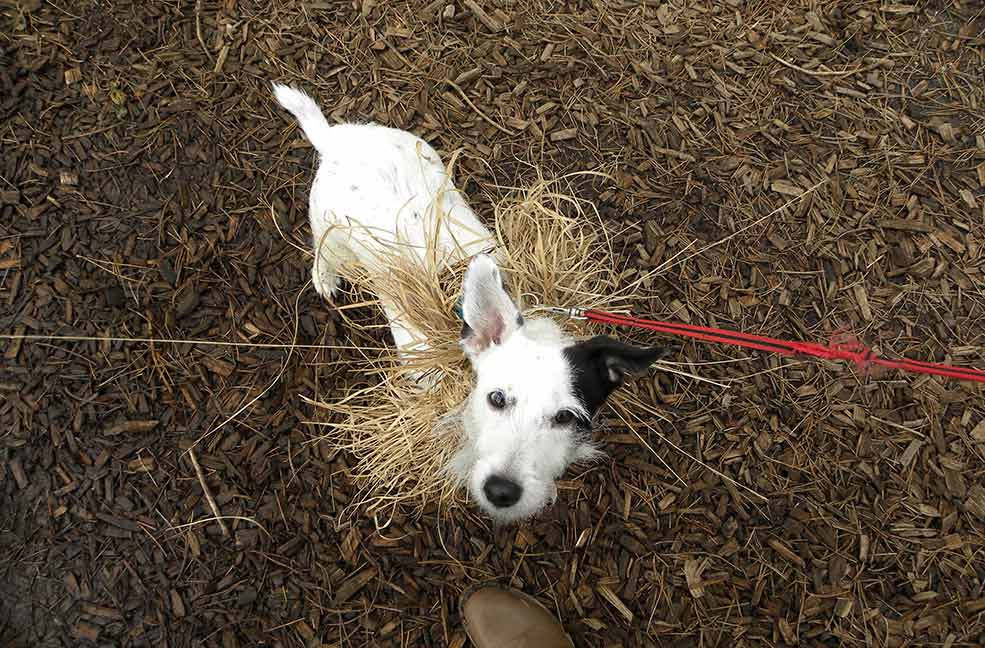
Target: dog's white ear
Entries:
(489, 313)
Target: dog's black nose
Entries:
(502, 492)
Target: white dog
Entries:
(536, 390)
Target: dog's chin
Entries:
(515, 514)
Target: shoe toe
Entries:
(502, 618)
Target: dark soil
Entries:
(149, 189)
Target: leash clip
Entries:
(570, 313)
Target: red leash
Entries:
(843, 349)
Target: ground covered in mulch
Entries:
(150, 189)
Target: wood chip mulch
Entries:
(149, 189)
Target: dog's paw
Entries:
(326, 283)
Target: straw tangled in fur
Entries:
(552, 252)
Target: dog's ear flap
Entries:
(601, 364)
(489, 315)
(622, 360)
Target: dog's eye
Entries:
(564, 417)
(497, 399)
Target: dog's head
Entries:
(536, 391)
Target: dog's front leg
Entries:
(409, 341)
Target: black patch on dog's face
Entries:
(600, 364)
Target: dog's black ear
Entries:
(601, 364)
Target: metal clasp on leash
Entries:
(571, 313)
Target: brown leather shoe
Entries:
(497, 617)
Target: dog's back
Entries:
(378, 192)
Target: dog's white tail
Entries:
(307, 112)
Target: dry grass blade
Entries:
(207, 491)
